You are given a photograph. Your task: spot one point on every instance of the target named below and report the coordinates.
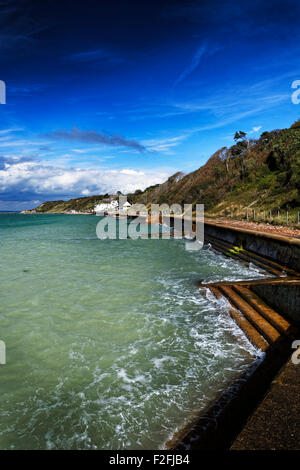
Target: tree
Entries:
(224, 156)
(242, 141)
(241, 149)
(296, 124)
(240, 135)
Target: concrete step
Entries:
(258, 321)
(250, 331)
(280, 323)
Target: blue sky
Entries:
(115, 95)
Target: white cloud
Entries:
(164, 144)
(85, 192)
(10, 130)
(32, 177)
(193, 64)
(131, 172)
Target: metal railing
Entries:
(278, 217)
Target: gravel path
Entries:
(260, 227)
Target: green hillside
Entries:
(262, 173)
(78, 204)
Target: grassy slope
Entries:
(78, 204)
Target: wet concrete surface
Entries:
(275, 424)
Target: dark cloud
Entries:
(45, 148)
(10, 160)
(92, 136)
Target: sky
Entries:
(115, 95)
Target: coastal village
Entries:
(109, 205)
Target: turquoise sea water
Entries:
(110, 344)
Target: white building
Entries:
(125, 206)
(106, 207)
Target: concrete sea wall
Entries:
(283, 250)
(223, 424)
(284, 296)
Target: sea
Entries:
(110, 344)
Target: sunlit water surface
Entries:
(110, 344)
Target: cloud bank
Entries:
(22, 181)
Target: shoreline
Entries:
(223, 424)
(242, 225)
(30, 212)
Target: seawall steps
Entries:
(271, 331)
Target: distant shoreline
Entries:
(33, 211)
(10, 212)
